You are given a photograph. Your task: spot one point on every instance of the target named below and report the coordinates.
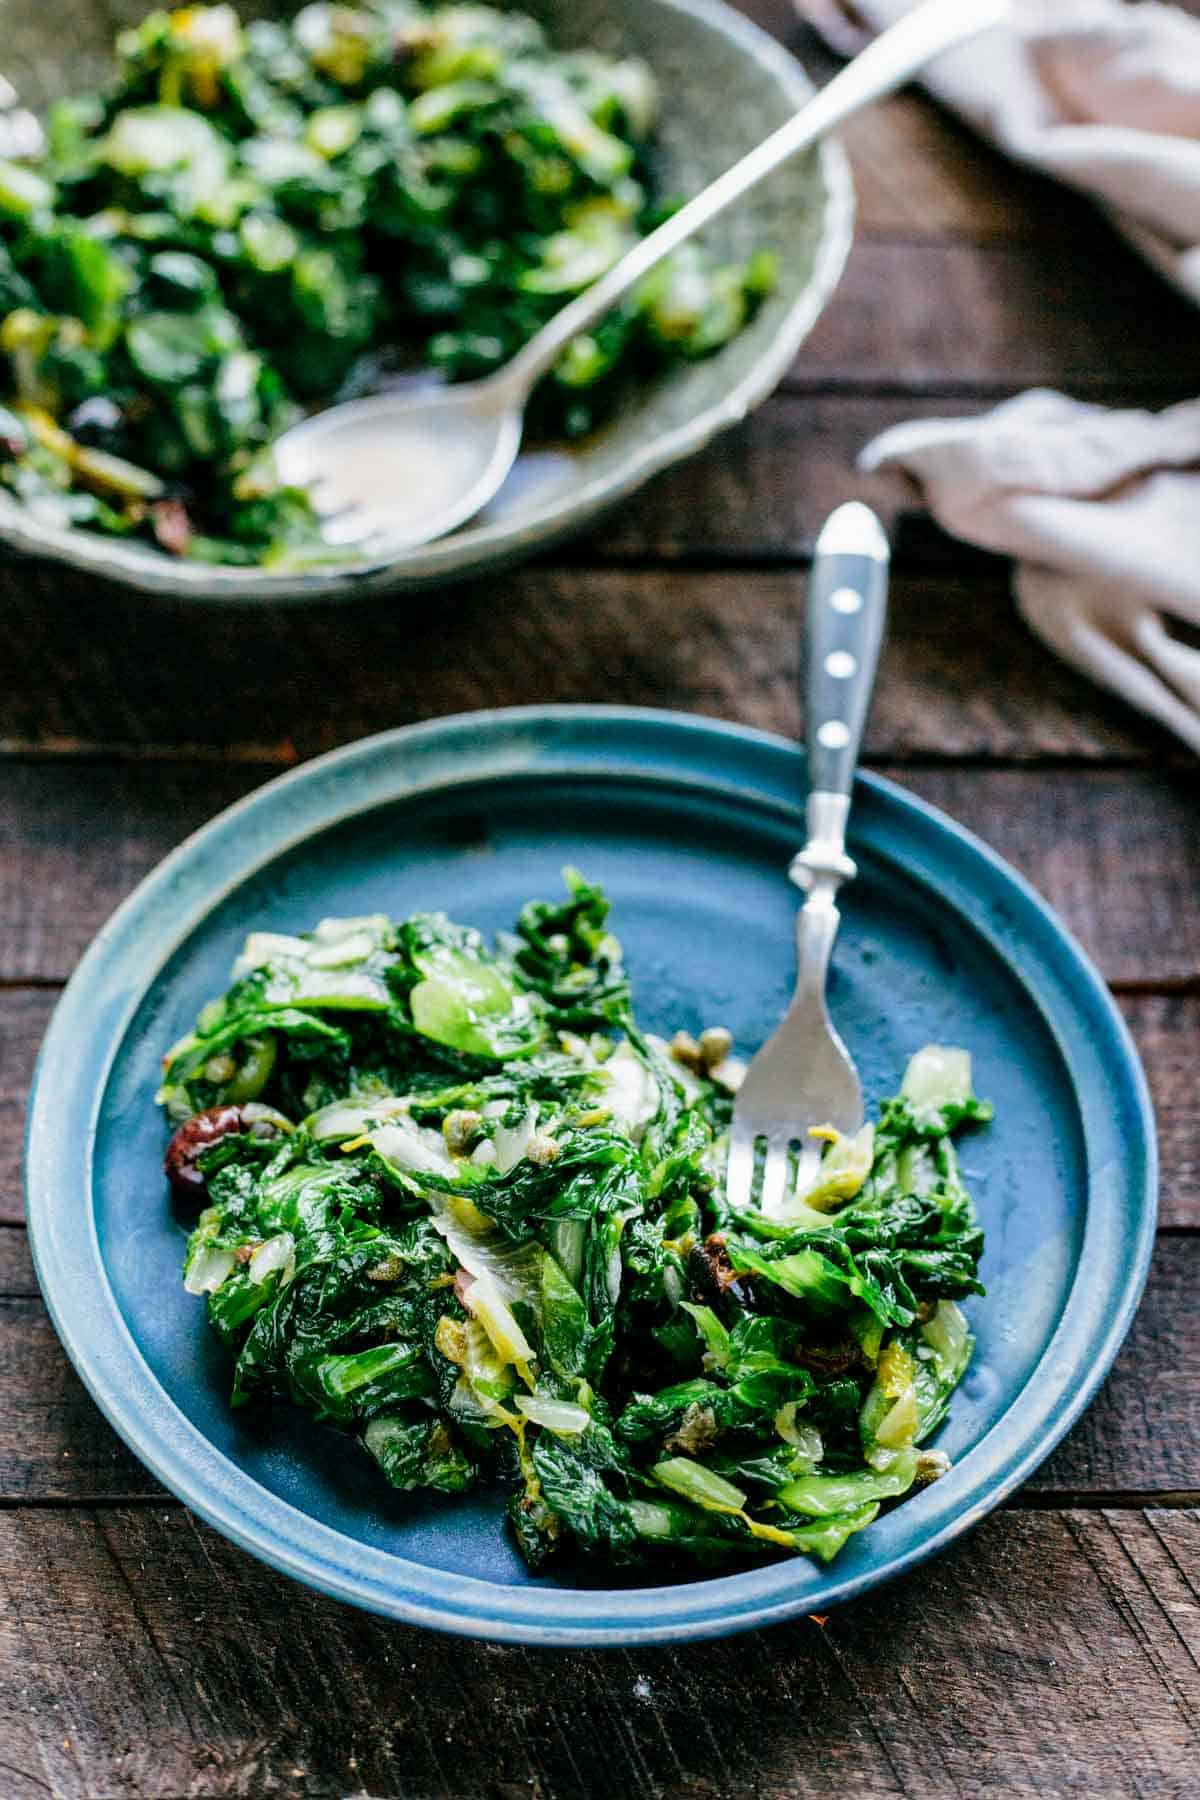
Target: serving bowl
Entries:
(724, 84)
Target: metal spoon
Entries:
(397, 470)
(804, 1076)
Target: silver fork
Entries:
(803, 1076)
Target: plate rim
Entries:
(501, 544)
(482, 746)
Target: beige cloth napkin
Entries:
(1101, 509)
(1100, 94)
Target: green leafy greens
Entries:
(259, 219)
(457, 1203)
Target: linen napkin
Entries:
(1100, 94)
(1101, 509)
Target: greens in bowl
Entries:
(257, 220)
(455, 1202)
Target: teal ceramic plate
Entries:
(690, 825)
(725, 84)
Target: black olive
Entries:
(181, 1164)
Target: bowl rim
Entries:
(495, 545)
(1101, 1295)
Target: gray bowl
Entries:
(725, 85)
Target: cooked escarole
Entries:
(451, 1198)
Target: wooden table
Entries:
(1055, 1651)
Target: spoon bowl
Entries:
(398, 469)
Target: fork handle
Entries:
(847, 599)
(847, 605)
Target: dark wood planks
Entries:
(75, 838)
(17, 1279)
(1050, 1653)
(59, 1445)
(1079, 837)
(961, 674)
(1142, 1433)
(1166, 1029)
(24, 1014)
(938, 315)
(763, 491)
(920, 175)
(761, 494)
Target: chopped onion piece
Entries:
(277, 1255)
(483, 1301)
(373, 925)
(558, 1416)
(510, 1142)
(417, 1149)
(937, 1076)
(632, 1095)
(262, 947)
(343, 1119)
(343, 951)
(207, 1269)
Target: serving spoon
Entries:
(399, 469)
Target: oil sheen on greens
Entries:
(469, 1212)
(256, 220)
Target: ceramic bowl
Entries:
(725, 85)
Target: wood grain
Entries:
(920, 174)
(24, 1015)
(961, 675)
(1078, 838)
(17, 1279)
(75, 838)
(1141, 1434)
(1166, 1029)
(940, 315)
(1049, 1654)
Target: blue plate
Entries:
(690, 825)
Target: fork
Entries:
(804, 1077)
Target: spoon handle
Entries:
(897, 54)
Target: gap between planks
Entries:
(1027, 1500)
(276, 758)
